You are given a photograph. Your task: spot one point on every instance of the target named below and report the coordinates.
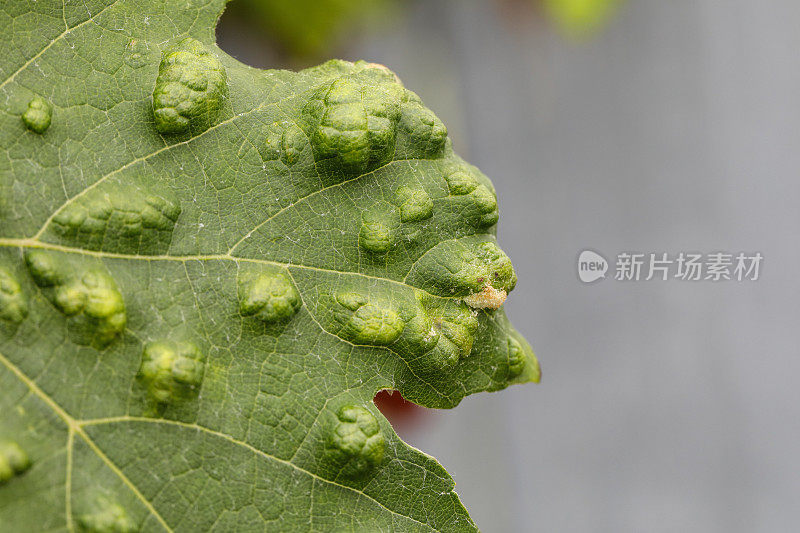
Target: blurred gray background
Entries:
(664, 406)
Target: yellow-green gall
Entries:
(89, 296)
(273, 142)
(106, 517)
(522, 363)
(356, 441)
(499, 270)
(380, 226)
(420, 334)
(485, 203)
(95, 295)
(457, 326)
(352, 122)
(46, 268)
(13, 460)
(464, 267)
(369, 323)
(426, 134)
(172, 370)
(474, 194)
(414, 204)
(190, 87)
(376, 235)
(439, 333)
(293, 142)
(13, 301)
(268, 297)
(461, 183)
(38, 115)
(284, 141)
(516, 358)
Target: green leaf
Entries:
(207, 271)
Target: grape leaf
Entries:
(207, 271)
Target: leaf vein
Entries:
(218, 434)
(51, 43)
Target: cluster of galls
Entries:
(171, 370)
(90, 297)
(355, 122)
(430, 334)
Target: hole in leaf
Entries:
(404, 416)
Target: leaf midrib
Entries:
(28, 243)
(31, 243)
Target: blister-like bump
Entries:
(13, 301)
(273, 142)
(94, 294)
(485, 203)
(172, 370)
(13, 460)
(379, 228)
(106, 516)
(516, 358)
(365, 322)
(46, 268)
(284, 141)
(38, 115)
(415, 204)
(426, 134)
(421, 333)
(356, 441)
(352, 123)
(190, 88)
(463, 267)
(456, 326)
(123, 220)
(136, 53)
(477, 200)
(90, 297)
(270, 297)
(460, 183)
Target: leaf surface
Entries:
(207, 271)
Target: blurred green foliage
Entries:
(308, 29)
(581, 18)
